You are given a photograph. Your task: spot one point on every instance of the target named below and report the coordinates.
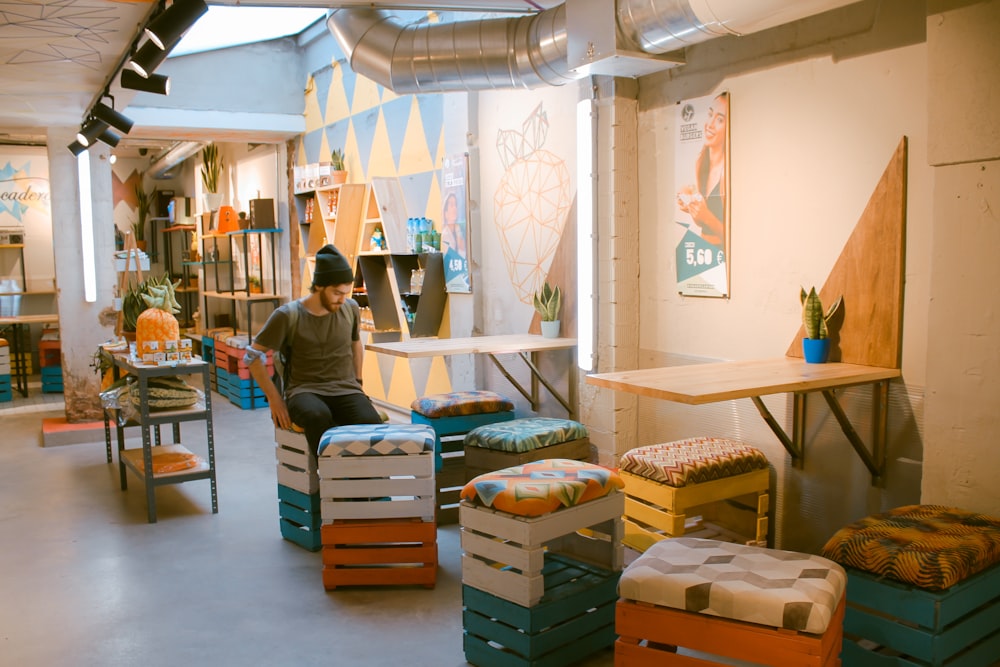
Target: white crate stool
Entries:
(298, 488)
(376, 487)
(542, 552)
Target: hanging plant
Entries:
(211, 169)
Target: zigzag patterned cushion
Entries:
(459, 403)
(525, 435)
(377, 440)
(929, 546)
(693, 460)
(540, 487)
(781, 589)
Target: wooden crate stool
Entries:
(5, 388)
(923, 587)
(542, 553)
(376, 487)
(298, 489)
(729, 601)
(712, 488)
(512, 443)
(452, 415)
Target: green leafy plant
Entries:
(337, 160)
(813, 317)
(211, 169)
(143, 202)
(134, 300)
(547, 302)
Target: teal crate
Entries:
(890, 624)
(6, 395)
(449, 427)
(247, 403)
(574, 618)
(299, 517)
(52, 373)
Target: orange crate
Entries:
(373, 552)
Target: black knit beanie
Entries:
(332, 268)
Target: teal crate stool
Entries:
(923, 588)
(52, 380)
(298, 489)
(452, 415)
(512, 443)
(542, 553)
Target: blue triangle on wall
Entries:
(397, 117)
(432, 116)
(364, 132)
(313, 143)
(416, 190)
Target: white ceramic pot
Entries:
(550, 329)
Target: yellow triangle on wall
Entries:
(337, 106)
(365, 95)
(313, 114)
(415, 156)
(380, 160)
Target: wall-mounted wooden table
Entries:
(710, 383)
(527, 346)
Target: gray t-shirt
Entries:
(322, 350)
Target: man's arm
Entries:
(359, 358)
(254, 358)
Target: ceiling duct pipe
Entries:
(531, 51)
(161, 165)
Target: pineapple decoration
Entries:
(157, 323)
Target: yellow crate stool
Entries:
(712, 488)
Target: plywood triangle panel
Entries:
(869, 275)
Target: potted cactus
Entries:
(547, 302)
(338, 167)
(816, 344)
(211, 173)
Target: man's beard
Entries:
(330, 306)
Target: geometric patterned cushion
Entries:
(928, 546)
(460, 403)
(692, 460)
(525, 435)
(781, 589)
(377, 440)
(540, 487)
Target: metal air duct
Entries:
(173, 156)
(531, 51)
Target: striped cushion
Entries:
(525, 435)
(377, 440)
(540, 487)
(459, 403)
(781, 589)
(693, 460)
(929, 546)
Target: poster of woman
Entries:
(454, 224)
(702, 201)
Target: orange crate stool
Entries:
(519, 441)
(49, 353)
(712, 488)
(733, 601)
(376, 488)
(452, 415)
(535, 589)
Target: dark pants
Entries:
(317, 413)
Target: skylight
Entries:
(224, 26)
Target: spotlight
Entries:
(90, 130)
(103, 112)
(112, 158)
(174, 21)
(154, 83)
(109, 137)
(76, 148)
(147, 58)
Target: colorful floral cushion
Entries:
(540, 487)
(780, 589)
(693, 460)
(460, 403)
(929, 546)
(525, 435)
(377, 440)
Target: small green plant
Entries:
(337, 160)
(813, 318)
(143, 202)
(547, 302)
(211, 169)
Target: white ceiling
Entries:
(56, 56)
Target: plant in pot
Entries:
(338, 167)
(547, 302)
(816, 344)
(143, 202)
(211, 173)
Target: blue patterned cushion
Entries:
(525, 435)
(461, 403)
(377, 440)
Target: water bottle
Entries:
(411, 234)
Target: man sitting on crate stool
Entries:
(322, 389)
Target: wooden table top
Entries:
(29, 319)
(499, 344)
(698, 384)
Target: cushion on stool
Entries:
(525, 435)
(693, 460)
(460, 403)
(540, 487)
(929, 546)
(376, 440)
(782, 589)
